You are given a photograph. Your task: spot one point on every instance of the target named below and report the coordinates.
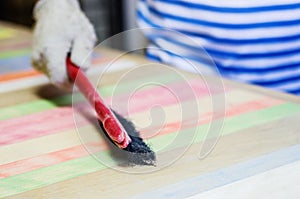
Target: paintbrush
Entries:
(118, 129)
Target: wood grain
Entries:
(49, 157)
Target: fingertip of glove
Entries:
(61, 82)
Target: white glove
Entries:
(61, 27)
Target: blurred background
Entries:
(109, 17)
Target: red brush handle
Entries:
(110, 123)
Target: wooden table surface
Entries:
(213, 138)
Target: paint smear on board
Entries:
(7, 33)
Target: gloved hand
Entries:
(61, 27)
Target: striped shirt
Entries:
(253, 41)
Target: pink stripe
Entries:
(45, 160)
(161, 96)
(100, 60)
(207, 117)
(14, 46)
(61, 119)
(37, 125)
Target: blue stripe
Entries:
(295, 92)
(278, 82)
(240, 69)
(266, 55)
(153, 57)
(15, 64)
(234, 69)
(141, 16)
(243, 69)
(270, 83)
(220, 40)
(223, 25)
(207, 62)
(230, 41)
(224, 54)
(290, 91)
(266, 83)
(224, 176)
(253, 9)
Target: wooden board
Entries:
(51, 149)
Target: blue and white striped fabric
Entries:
(254, 41)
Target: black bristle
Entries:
(137, 152)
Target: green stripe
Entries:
(24, 109)
(14, 53)
(124, 87)
(49, 175)
(256, 118)
(106, 91)
(234, 124)
(74, 168)
(34, 107)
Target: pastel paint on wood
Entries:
(49, 147)
(256, 111)
(6, 33)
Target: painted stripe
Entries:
(49, 144)
(37, 125)
(23, 83)
(49, 175)
(206, 117)
(25, 109)
(14, 46)
(235, 124)
(106, 91)
(14, 53)
(71, 169)
(175, 93)
(116, 90)
(18, 75)
(34, 107)
(275, 183)
(171, 127)
(166, 134)
(46, 160)
(265, 115)
(50, 120)
(45, 144)
(227, 175)
(28, 72)
(7, 33)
